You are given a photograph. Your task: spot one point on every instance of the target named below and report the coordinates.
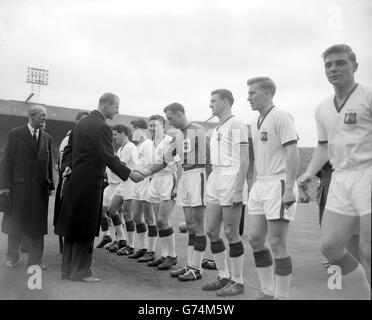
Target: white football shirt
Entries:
(270, 135)
(145, 151)
(347, 129)
(126, 154)
(225, 142)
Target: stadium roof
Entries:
(19, 108)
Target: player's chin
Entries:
(334, 80)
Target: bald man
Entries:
(26, 172)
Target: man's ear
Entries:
(356, 65)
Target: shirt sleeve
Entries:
(320, 128)
(170, 152)
(286, 130)
(239, 133)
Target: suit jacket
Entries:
(88, 152)
(27, 170)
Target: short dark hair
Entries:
(139, 123)
(340, 48)
(81, 114)
(265, 83)
(174, 107)
(121, 128)
(224, 94)
(107, 97)
(157, 117)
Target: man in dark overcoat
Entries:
(89, 151)
(26, 171)
(58, 196)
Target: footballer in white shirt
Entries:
(143, 213)
(273, 197)
(112, 200)
(161, 194)
(226, 193)
(344, 128)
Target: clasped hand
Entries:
(136, 176)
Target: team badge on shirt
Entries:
(263, 135)
(350, 118)
(186, 146)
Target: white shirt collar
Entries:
(32, 130)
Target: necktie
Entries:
(34, 137)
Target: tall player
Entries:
(344, 127)
(226, 192)
(272, 200)
(161, 194)
(190, 149)
(143, 214)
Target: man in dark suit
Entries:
(26, 171)
(89, 151)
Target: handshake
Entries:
(139, 175)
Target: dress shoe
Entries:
(41, 266)
(11, 264)
(86, 279)
(90, 280)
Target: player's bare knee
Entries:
(198, 229)
(277, 245)
(190, 228)
(256, 241)
(212, 235)
(163, 224)
(232, 236)
(137, 219)
(365, 249)
(149, 221)
(331, 251)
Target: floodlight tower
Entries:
(37, 77)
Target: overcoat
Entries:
(89, 151)
(27, 170)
